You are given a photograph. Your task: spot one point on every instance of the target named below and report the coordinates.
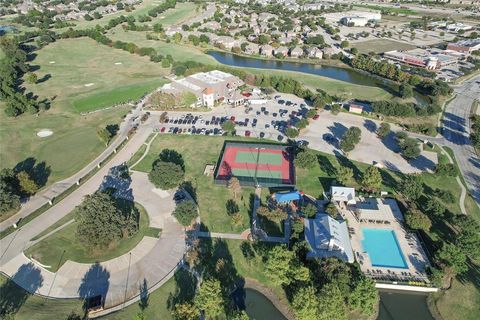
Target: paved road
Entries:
(456, 131)
(52, 191)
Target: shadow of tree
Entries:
(185, 288)
(170, 155)
(326, 165)
(94, 287)
(143, 304)
(39, 172)
(15, 291)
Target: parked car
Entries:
(280, 137)
(162, 130)
(262, 134)
(315, 117)
(247, 133)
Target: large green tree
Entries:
(364, 296)
(344, 175)
(100, 221)
(372, 179)
(305, 303)
(331, 303)
(185, 212)
(9, 193)
(282, 266)
(452, 257)
(411, 186)
(166, 175)
(418, 220)
(210, 298)
(306, 159)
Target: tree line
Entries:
(12, 68)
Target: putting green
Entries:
(260, 158)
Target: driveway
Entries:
(121, 278)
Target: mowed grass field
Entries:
(74, 142)
(181, 13)
(75, 69)
(381, 46)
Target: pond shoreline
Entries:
(279, 303)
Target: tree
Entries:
(364, 296)
(185, 212)
(452, 257)
(372, 179)
(311, 113)
(26, 184)
(331, 304)
(104, 135)
(100, 222)
(9, 191)
(417, 220)
(411, 187)
(446, 169)
(344, 44)
(306, 159)
(405, 90)
(282, 266)
(350, 138)
(276, 214)
(234, 186)
(229, 127)
(210, 298)
(301, 124)
(310, 210)
(433, 206)
(331, 209)
(31, 78)
(410, 148)
(305, 303)
(291, 133)
(468, 239)
(383, 130)
(344, 175)
(166, 175)
(186, 311)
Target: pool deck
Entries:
(409, 243)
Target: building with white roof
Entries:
(327, 238)
(465, 46)
(209, 87)
(342, 194)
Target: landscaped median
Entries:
(63, 245)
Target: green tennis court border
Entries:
(259, 173)
(261, 180)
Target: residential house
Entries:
(315, 53)
(296, 52)
(266, 50)
(281, 51)
(252, 48)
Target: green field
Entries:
(64, 245)
(181, 13)
(381, 46)
(74, 143)
(115, 96)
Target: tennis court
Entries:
(255, 164)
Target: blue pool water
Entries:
(383, 248)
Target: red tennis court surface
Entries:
(252, 164)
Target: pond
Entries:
(256, 305)
(332, 72)
(396, 305)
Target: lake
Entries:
(332, 72)
(256, 305)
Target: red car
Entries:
(247, 133)
(162, 130)
(232, 118)
(315, 117)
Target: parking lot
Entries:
(269, 121)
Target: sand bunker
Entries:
(117, 63)
(52, 62)
(44, 133)
(89, 84)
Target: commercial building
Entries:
(328, 237)
(360, 18)
(209, 87)
(431, 59)
(456, 27)
(465, 46)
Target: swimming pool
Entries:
(383, 248)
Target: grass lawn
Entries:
(331, 86)
(30, 307)
(74, 142)
(198, 151)
(462, 300)
(381, 45)
(181, 13)
(180, 52)
(115, 96)
(79, 68)
(50, 249)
